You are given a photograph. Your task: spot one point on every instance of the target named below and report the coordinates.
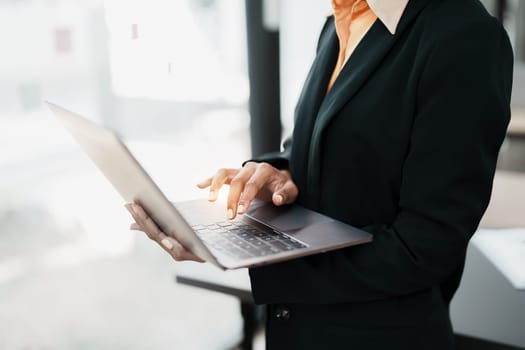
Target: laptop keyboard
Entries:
(239, 240)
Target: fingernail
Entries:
(278, 199)
(211, 197)
(167, 244)
(240, 208)
(230, 213)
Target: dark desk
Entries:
(486, 305)
(235, 283)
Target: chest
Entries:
(365, 139)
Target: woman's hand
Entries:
(144, 223)
(253, 181)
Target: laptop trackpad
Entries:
(289, 218)
(306, 225)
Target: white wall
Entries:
(301, 23)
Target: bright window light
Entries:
(178, 50)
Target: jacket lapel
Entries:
(310, 100)
(361, 64)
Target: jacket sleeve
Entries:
(462, 112)
(279, 160)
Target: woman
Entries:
(397, 131)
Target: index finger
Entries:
(261, 176)
(236, 188)
(205, 183)
(223, 176)
(175, 249)
(146, 222)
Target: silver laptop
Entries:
(265, 234)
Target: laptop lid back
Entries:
(119, 166)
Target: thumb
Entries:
(285, 194)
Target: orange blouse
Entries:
(353, 18)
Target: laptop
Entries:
(265, 234)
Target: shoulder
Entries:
(458, 19)
(462, 45)
(461, 30)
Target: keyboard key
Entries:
(240, 241)
(225, 224)
(296, 244)
(279, 245)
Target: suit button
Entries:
(282, 313)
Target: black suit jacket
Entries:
(404, 145)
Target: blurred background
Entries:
(171, 77)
